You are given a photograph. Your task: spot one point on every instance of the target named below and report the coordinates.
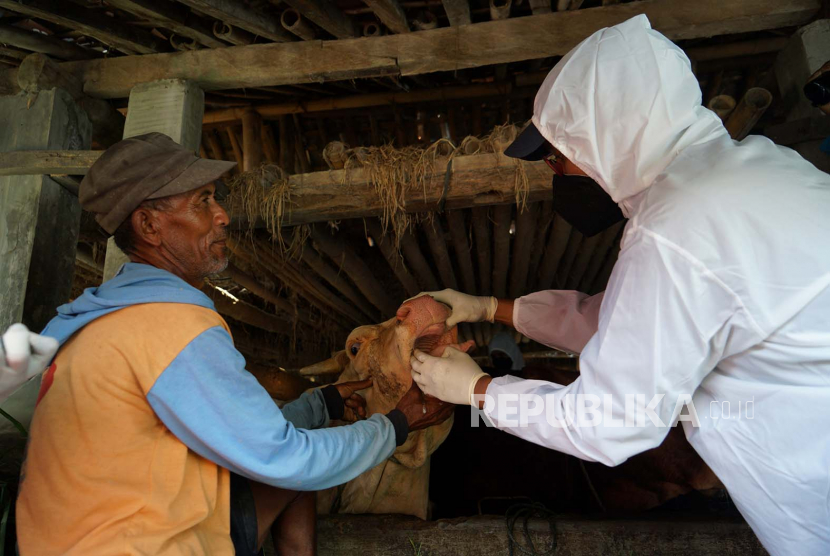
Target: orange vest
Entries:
(103, 475)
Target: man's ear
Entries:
(146, 226)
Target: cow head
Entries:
(382, 352)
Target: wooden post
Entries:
(39, 220)
(269, 145)
(438, 246)
(171, 106)
(235, 146)
(251, 141)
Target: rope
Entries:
(526, 512)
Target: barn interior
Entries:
(369, 139)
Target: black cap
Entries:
(529, 145)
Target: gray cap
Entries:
(144, 167)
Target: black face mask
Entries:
(584, 204)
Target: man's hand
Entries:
(422, 411)
(451, 377)
(355, 404)
(23, 355)
(465, 308)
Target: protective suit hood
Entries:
(623, 123)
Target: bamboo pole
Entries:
(393, 257)
(251, 141)
(330, 274)
(543, 224)
(752, 106)
(293, 21)
(580, 265)
(356, 269)
(425, 21)
(522, 245)
(237, 149)
(438, 247)
(390, 13)
(481, 230)
(500, 9)
(568, 258)
(38, 42)
(557, 243)
(502, 215)
(417, 262)
(246, 313)
(269, 144)
(609, 236)
(283, 305)
(722, 105)
(231, 34)
(461, 246)
(458, 11)
(372, 29)
(326, 15)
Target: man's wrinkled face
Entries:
(194, 232)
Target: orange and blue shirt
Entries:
(146, 409)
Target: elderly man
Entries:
(150, 437)
(720, 295)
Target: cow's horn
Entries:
(333, 366)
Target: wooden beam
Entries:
(543, 224)
(557, 243)
(393, 257)
(246, 313)
(108, 30)
(481, 229)
(461, 246)
(327, 15)
(523, 244)
(443, 94)
(38, 42)
(74, 163)
(458, 11)
(172, 16)
(442, 49)
(356, 269)
(438, 247)
(293, 21)
(331, 275)
(391, 14)
(251, 141)
(501, 248)
(239, 15)
(418, 263)
(282, 304)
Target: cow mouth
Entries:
(426, 320)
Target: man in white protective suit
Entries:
(720, 296)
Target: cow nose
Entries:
(403, 313)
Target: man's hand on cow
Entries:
(355, 404)
(422, 411)
(465, 308)
(23, 354)
(451, 377)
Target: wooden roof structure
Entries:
(283, 79)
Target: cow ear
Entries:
(333, 366)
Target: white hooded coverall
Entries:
(721, 291)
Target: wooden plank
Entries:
(108, 30)
(19, 163)
(253, 286)
(438, 247)
(38, 42)
(418, 263)
(347, 535)
(481, 229)
(327, 15)
(461, 246)
(393, 257)
(172, 16)
(239, 15)
(442, 49)
(331, 275)
(247, 313)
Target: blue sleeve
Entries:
(218, 409)
(308, 411)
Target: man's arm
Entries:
(207, 399)
(665, 323)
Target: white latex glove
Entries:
(451, 378)
(465, 308)
(23, 354)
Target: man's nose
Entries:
(221, 216)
